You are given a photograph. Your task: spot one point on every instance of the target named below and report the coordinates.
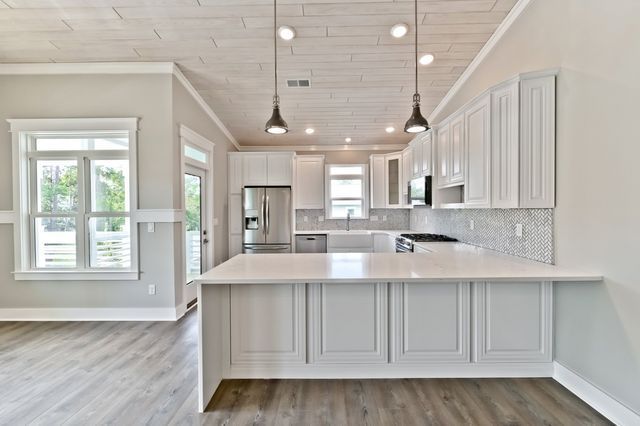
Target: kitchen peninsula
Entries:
(455, 311)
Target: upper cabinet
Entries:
(477, 151)
(505, 145)
(309, 188)
(377, 181)
(427, 154)
(407, 175)
(499, 149)
(537, 142)
(386, 177)
(272, 169)
(416, 157)
(393, 179)
(234, 170)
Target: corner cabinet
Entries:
(309, 188)
(477, 151)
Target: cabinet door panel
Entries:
(416, 160)
(267, 324)
(426, 161)
(309, 189)
(456, 149)
(279, 169)
(254, 169)
(505, 169)
(442, 137)
(348, 323)
(235, 244)
(537, 139)
(407, 175)
(392, 179)
(477, 156)
(235, 168)
(430, 322)
(377, 182)
(235, 214)
(513, 321)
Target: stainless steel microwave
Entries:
(420, 191)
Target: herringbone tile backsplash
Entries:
(493, 228)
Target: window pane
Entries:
(57, 186)
(339, 208)
(346, 170)
(193, 237)
(110, 185)
(110, 242)
(195, 154)
(346, 188)
(55, 239)
(84, 143)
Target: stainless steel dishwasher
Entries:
(316, 243)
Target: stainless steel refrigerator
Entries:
(266, 219)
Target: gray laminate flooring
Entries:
(130, 373)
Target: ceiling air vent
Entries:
(299, 83)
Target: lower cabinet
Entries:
(268, 324)
(348, 323)
(429, 322)
(513, 322)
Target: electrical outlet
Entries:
(472, 224)
(152, 289)
(305, 218)
(151, 227)
(384, 218)
(373, 218)
(426, 220)
(519, 230)
(320, 218)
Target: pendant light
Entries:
(276, 124)
(416, 123)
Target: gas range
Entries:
(404, 242)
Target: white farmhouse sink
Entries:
(350, 239)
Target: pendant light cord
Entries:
(415, 14)
(276, 101)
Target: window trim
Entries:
(22, 133)
(365, 189)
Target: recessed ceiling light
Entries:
(426, 59)
(286, 32)
(399, 30)
(309, 131)
(347, 140)
(390, 129)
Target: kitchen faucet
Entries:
(348, 220)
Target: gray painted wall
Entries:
(596, 219)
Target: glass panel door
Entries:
(195, 234)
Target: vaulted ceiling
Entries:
(361, 77)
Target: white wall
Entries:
(596, 43)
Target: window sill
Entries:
(76, 275)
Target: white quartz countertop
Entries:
(444, 262)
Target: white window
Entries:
(75, 188)
(347, 189)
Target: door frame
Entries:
(190, 138)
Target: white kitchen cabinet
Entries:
(456, 150)
(505, 146)
(235, 220)
(393, 180)
(279, 169)
(513, 321)
(407, 175)
(235, 244)
(234, 172)
(477, 153)
(377, 181)
(268, 324)
(426, 158)
(537, 142)
(349, 242)
(309, 189)
(334, 336)
(429, 322)
(254, 169)
(416, 157)
(442, 154)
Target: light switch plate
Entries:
(384, 218)
(151, 227)
(215, 221)
(152, 289)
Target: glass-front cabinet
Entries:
(393, 180)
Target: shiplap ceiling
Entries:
(361, 77)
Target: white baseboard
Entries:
(606, 405)
(89, 314)
(388, 371)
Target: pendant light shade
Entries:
(416, 123)
(276, 124)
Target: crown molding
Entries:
(502, 29)
(323, 148)
(119, 68)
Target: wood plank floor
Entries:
(130, 373)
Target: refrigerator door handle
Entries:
(262, 213)
(267, 224)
